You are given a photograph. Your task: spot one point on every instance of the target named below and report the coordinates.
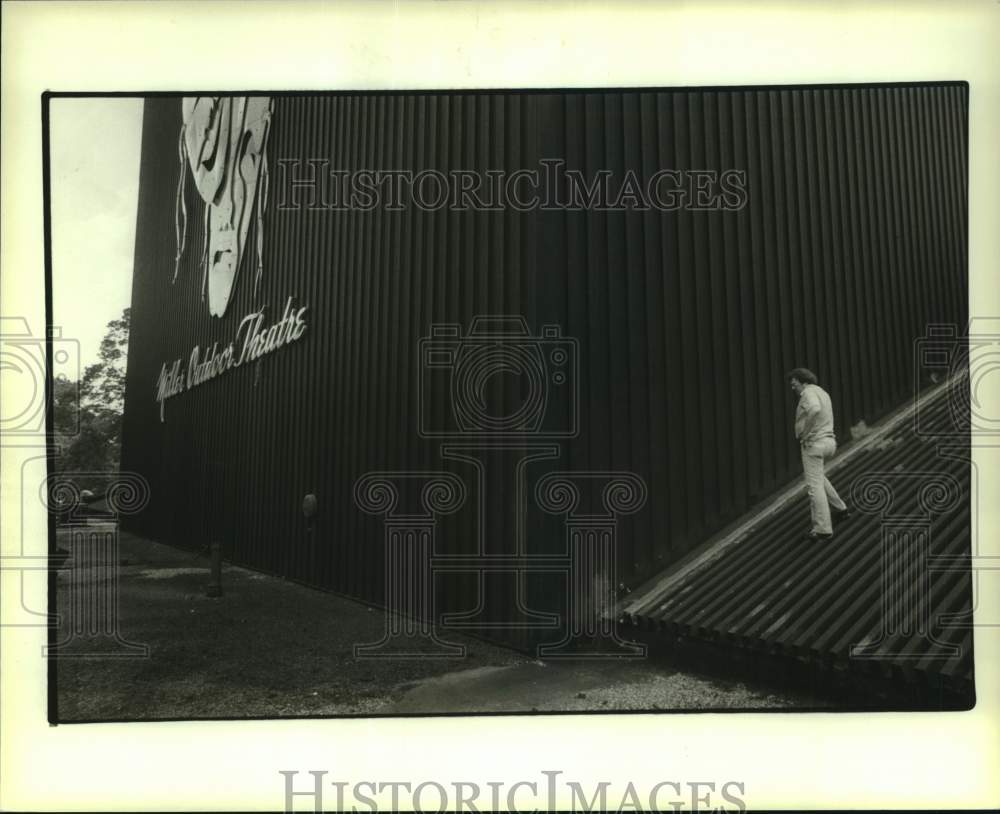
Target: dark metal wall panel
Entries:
(852, 240)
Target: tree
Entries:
(103, 383)
(87, 415)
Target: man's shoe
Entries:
(841, 514)
(816, 537)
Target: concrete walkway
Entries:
(621, 685)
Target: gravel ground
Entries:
(618, 685)
(273, 648)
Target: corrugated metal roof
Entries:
(876, 596)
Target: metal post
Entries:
(215, 586)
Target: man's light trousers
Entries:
(820, 490)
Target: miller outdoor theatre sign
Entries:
(223, 141)
(252, 341)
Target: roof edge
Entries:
(739, 530)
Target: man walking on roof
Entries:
(814, 431)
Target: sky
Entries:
(94, 163)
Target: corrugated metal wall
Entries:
(852, 240)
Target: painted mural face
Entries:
(223, 140)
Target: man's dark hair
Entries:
(804, 375)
